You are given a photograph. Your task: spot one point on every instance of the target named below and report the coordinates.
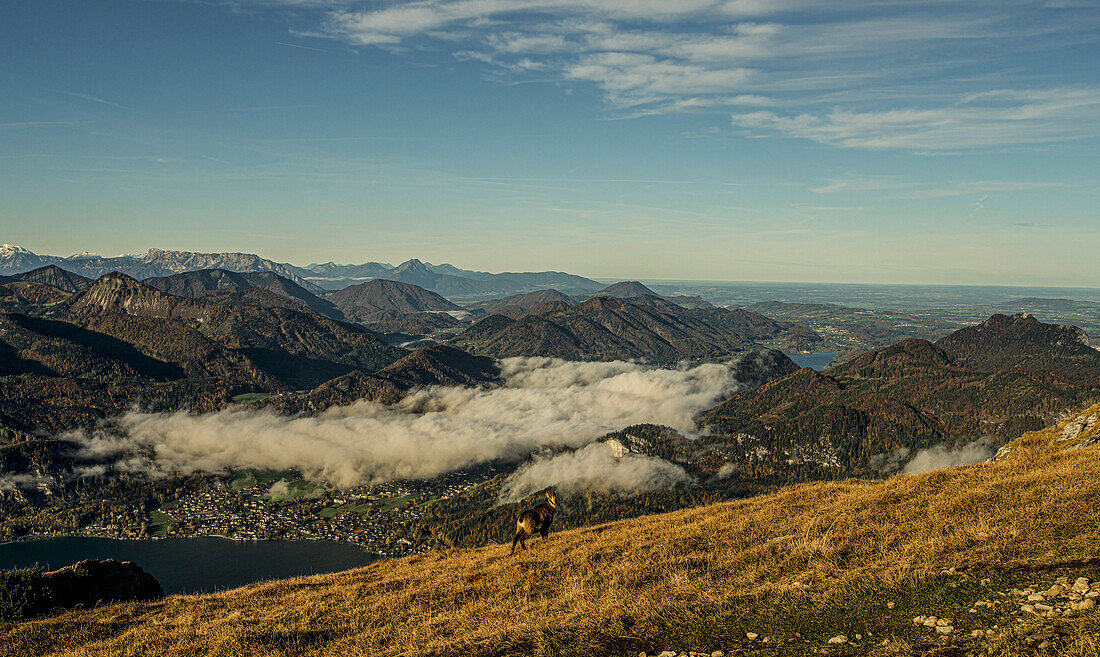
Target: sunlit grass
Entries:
(798, 565)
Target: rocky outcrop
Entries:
(91, 582)
(29, 593)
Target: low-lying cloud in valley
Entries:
(542, 403)
(941, 456)
(593, 468)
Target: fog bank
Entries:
(940, 456)
(593, 468)
(542, 403)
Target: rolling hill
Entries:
(626, 290)
(366, 302)
(845, 327)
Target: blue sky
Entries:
(844, 141)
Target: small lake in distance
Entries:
(194, 565)
(817, 361)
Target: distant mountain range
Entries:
(155, 263)
(444, 279)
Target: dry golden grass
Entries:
(606, 589)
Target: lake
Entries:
(817, 361)
(194, 565)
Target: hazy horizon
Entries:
(671, 282)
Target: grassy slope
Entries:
(801, 565)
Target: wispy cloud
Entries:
(93, 99)
(980, 187)
(36, 124)
(976, 121)
(858, 183)
(930, 77)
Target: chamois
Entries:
(534, 520)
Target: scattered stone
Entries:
(1028, 608)
(1081, 585)
(839, 639)
(945, 629)
(751, 635)
(1036, 597)
(890, 605)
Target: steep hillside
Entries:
(203, 281)
(367, 301)
(296, 345)
(843, 567)
(606, 328)
(1003, 342)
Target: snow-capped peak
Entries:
(12, 249)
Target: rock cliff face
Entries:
(156, 262)
(181, 261)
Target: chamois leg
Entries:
(516, 540)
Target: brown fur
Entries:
(534, 520)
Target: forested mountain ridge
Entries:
(206, 281)
(368, 301)
(1021, 341)
(607, 328)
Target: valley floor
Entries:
(801, 568)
